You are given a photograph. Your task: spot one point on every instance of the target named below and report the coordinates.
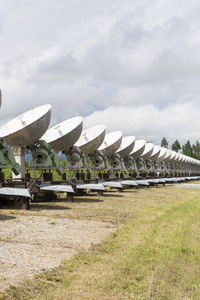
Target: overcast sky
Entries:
(131, 65)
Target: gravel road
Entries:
(31, 244)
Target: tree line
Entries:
(192, 150)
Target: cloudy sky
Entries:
(131, 65)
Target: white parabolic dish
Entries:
(126, 146)
(91, 139)
(173, 157)
(162, 154)
(28, 127)
(167, 156)
(155, 153)
(148, 150)
(111, 143)
(138, 149)
(65, 134)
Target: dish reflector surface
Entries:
(162, 154)
(91, 139)
(28, 127)
(156, 152)
(126, 146)
(111, 143)
(138, 149)
(173, 157)
(167, 156)
(148, 150)
(65, 134)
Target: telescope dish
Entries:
(138, 149)
(111, 143)
(173, 157)
(186, 160)
(126, 146)
(148, 150)
(65, 134)
(27, 128)
(178, 157)
(91, 139)
(167, 156)
(156, 152)
(162, 154)
(183, 158)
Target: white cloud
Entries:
(133, 65)
(148, 122)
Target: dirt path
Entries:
(30, 244)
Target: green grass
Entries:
(154, 253)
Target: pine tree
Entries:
(164, 143)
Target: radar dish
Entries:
(183, 158)
(65, 134)
(138, 149)
(156, 152)
(173, 157)
(111, 143)
(126, 146)
(167, 156)
(178, 157)
(91, 139)
(162, 154)
(27, 128)
(148, 150)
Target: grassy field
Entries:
(154, 253)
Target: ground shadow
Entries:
(41, 206)
(4, 218)
(87, 200)
(130, 191)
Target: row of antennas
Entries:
(110, 152)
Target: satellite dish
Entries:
(148, 150)
(183, 158)
(162, 154)
(111, 143)
(178, 157)
(64, 135)
(91, 139)
(27, 128)
(126, 146)
(0, 97)
(138, 149)
(167, 156)
(156, 152)
(173, 157)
